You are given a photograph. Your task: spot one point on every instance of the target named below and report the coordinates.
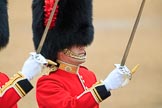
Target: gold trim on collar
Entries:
(67, 67)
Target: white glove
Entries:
(119, 77)
(33, 65)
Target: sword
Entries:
(50, 62)
(47, 28)
(132, 36)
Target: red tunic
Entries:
(10, 97)
(61, 89)
(12, 90)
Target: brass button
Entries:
(68, 68)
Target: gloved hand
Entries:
(33, 65)
(119, 77)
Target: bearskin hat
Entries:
(71, 25)
(4, 27)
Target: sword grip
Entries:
(134, 69)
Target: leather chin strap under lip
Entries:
(73, 55)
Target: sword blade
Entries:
(132, 34)
(46, 28)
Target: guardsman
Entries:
(68, 84)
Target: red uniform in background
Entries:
(11, 90)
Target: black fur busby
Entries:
(73, 26)
(4, 28)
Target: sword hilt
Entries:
(135, 69)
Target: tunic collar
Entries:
(68, 67)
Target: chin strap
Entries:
(74, 55)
